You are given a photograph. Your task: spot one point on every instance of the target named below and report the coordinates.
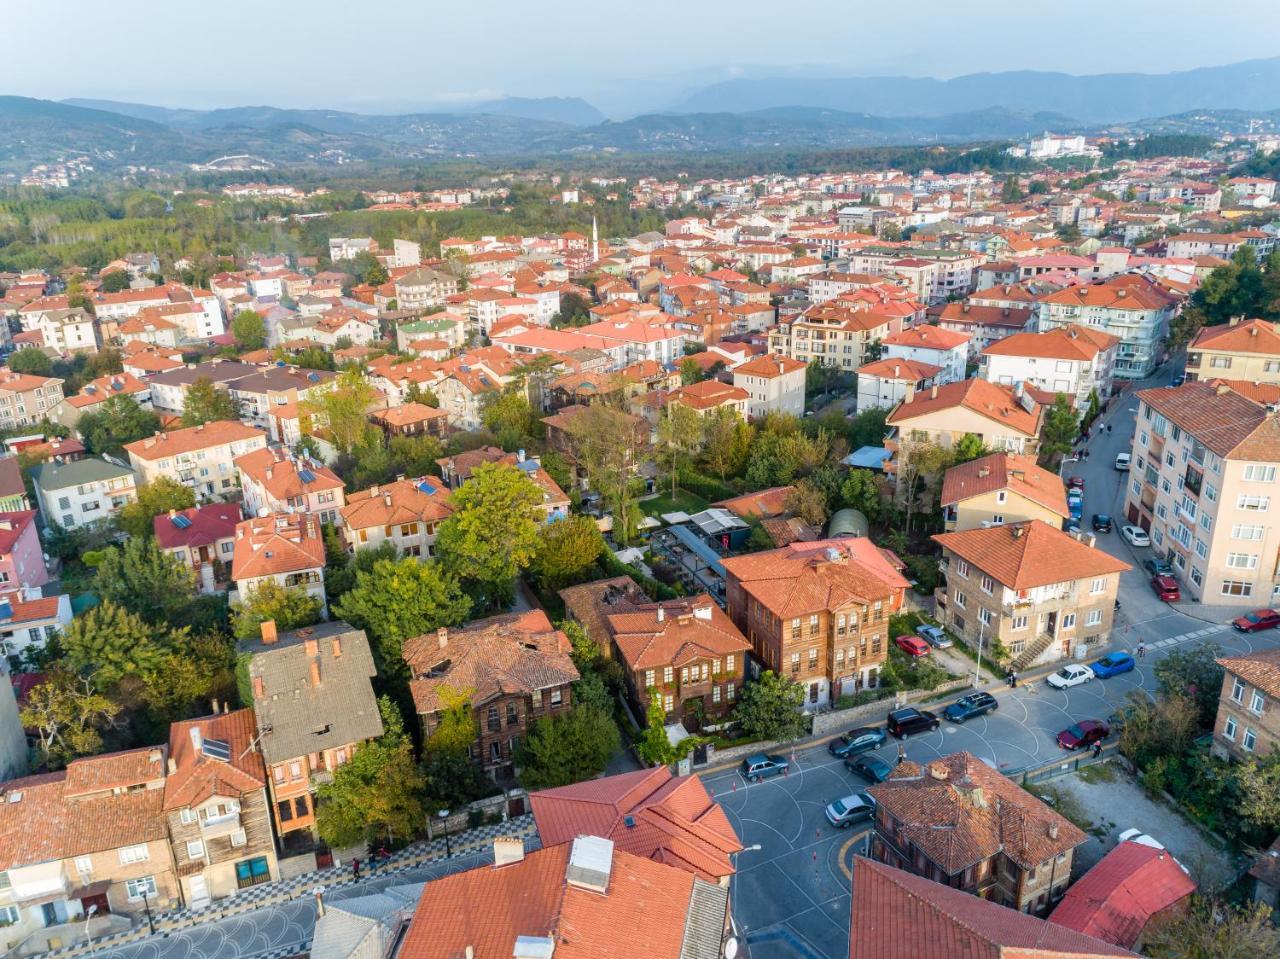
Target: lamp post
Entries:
(146, 905)
(88, 918)
(444, 823)
(977, 670)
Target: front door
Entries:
(100, 900)
(199, 891)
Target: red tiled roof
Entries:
(997, 471)
(1031, 554)
(207, 525)
(282, 543)
(1250, 336)
(996, 403)
(1115, 899)
(192, 438)
(197, 776)
(12, 526)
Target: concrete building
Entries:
(1134, 309)
(201, 457)
(946, 349)
(1001, 488)
(775, 385)
(75, 494)
(1247, 350)
(1077, 361)
(883, 384)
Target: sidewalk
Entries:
(284, 890)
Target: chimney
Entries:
(507, 849)
(978, 798)
(938, 771)
(442, 637)
(1017, 531)
(213, 706)
(337, 647)
(197, 738)
(590, 864)
(315, 673)
(1053, 830)
(312, 647)
(258, 690)
(269, 634)
(662, 614)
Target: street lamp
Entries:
(977, 670)
(146, 904)
(444, 823)
(88, 918)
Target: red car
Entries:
(1258, 619)
(1166, 587)
(1084, 733)
(912, 645)
(1075, 482)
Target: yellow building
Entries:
(1247, 351)
(1001, 488)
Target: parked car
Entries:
(1178, 379)
(1137, 835)
(843, 813)
(762, 766)
(1112, 664)
(1075, 504)
(903, 722)
(871, 768)
(1158, 567)
(935, 635)
(1135, 535)
(912, 645)
(857, 741)
(1258, 619)
(1084, 733)
(1068, 676)
(1166, 587)
(1122, 461)
(1072, 525)
(1075, 482)
(967, 707)
(1101, 523)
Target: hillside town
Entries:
(876, 563)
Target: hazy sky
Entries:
(415, 54)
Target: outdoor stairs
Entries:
(1031, 653)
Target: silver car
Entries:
(935, 636)
(843, 813)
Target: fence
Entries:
(1069, 763)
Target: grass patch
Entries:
(1065, 804)
(682, 502)
(1098, 773)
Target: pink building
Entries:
(21, 558)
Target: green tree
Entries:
(493, 531)
(808, 502)
(509, 417)
(1214, 929)
(378, 793)
(654, 747)
(770, 709)
(115, 281)
(726, 442)
(865, 492)
(30, 360)
(455, 731)
(144, 579)
(1165, 726)
(290, 608)
(591, 690)
(109, 643)
(118, 421)
(205, 403)
(398, 599)
(607, 444)
(690, 371)
(193, 670)
(376, 274)
(249, 329)
(1011, 192)
(1258, 783)
(567, 552)
(343, 410)
(679, 434)
(567, 748)
(154, 499)
(1060, 430)
(67, 715)
(1193, 671)
(968, 448)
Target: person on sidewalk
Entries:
(1097, 750)
(1142, 650)
(1013, 678)
(355, 870)
(1008, 678)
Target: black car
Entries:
(871, 768)
(1101, 523)
(1158, 567)
(975, 704)
(903, 722)
(857, 741)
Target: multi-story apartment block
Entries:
(516, 669)
(75, 494)
(1075, 360)
(313, 703)
(275, 480)
(286, 548)
(1246, 350)
(883, 384)
(407, 513)
(262, 391)
(202, 457)
(1248, 721)
(169, 388)
(835, 335)
(424, 288)
(1134, 309)
(817, 613)
(1001, 488)
(215, 801)
(984, 324)
(1017, 851)
(1043, 593)
(27, 399)
(1201, 482)
(945, 349)
(775, 385)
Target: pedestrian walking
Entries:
(1008, 678)
(1097, 750)
(355, 869)
(1142, 650)
(1108, 427)
(902, 754)
(1013, 678)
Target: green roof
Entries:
(52, 476)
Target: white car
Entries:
(1069, 676)
(1138, 836)
(1122, 461)
(1135, 535)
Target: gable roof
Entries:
(1249, 336)
(1009, 471)
(1069, 342)
(197, 776)
(898, 915)
(927, 337)
(1115, 899)
(1228, 423)
(203, 526)
(804, 578)
(1030, 554)
(1260, 669)
(648, 813)
(192, 438)
(996, 403)
(284, 475)
(280, 543)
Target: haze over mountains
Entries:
(750, 113)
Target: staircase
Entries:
(1031, 653)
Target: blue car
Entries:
(1112, 664)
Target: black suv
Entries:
(904, 722)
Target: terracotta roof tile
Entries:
(424, 499)
(1231, 425)
(1070, 342)
(804, 578)
(281, 543)
(996, 403)
(1260, 669)
(1026, 555)
(688, 629)
(1008, 471)
(197, 776)
(192, 438)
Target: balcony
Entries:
(220, 825)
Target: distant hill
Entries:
(1100, 98)
(571, 110)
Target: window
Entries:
(1255, 702)
(84, 865)
(1258, 473)
(143, 888)
(813, 658)
(238, 838)
(1250, 740)
(1235, 587)
(1237, 691)
(684, 675)
(1229, 730)
(557, 697)
(1243, 531)
(295, 770)
(1068, 620)
(669, 703)
(1202, 548)
(988, 585)
(1019, 623)
(187, 817)
(668, 674)
(1093, 617)
(1257, 504)
(1241, 560)
(9, 915)
(715, 694)
(960, 599)
(839, 657)
(648, 678)
(730, 690)
(1210, 492)
(1001, 496)
(138, 853)
(1099, 585)
(962, 568)
(195, 849)
(513, 714)
(984, 615)
(301, 807)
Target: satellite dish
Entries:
(730, 947)
(263, 512)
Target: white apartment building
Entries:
(775, 384)
(1132, 308)
(26, 398)
(1203, 482)
(202, 457)
(883, 384)
(79, 493)
(349, 247)
(1075, 360)
(947, 350)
